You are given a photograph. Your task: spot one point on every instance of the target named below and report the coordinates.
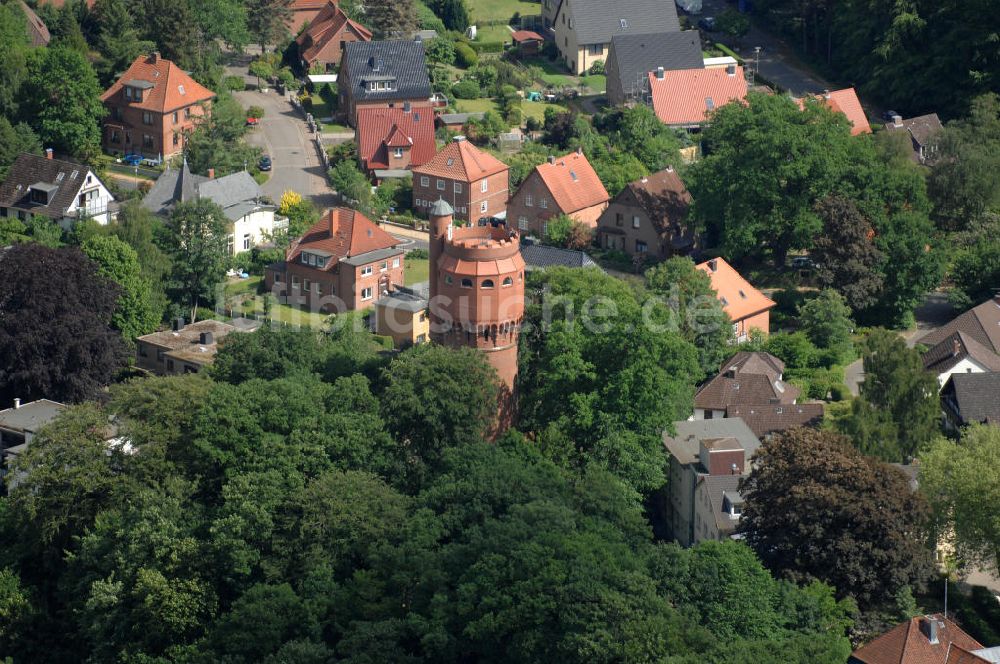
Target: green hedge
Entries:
(488, 47)
(728, 51)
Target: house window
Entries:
(528, 201)
(115, 138)
(425, 181)
(395, 262)
(507, 281)
(147, 141)
(484, 186)
(545, 228)
(177, 138)
(305, 258)
(295, 281)
(458, 188)
(482, 207)
(170, 365)
(366, 293)
(597, 49)
(246, 241)
(147, 118)
(543, 202)
(635, 222)
(187, 112)
(230, 244)
(522, 223)
(640, 247)
(366, 270)
(398, 153)
(487, 283)
(128, 92)
(384, 266)
(619, 219)
(305, 285)
(175, 117)
(466, 283)
(448, 280)
(440, 185)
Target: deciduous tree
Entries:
(197, 243)
(136, 313)
(818, 509)
(846, 254)
(267, 20)
(391, 19)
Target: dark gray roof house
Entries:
(19, 424)
(922, 130)
(970, 398)
(540, 256)
(63, 191)
(633, 56)
(382, 71)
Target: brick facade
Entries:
(466, 198)
(345, 288)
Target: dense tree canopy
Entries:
(196, 241)
(865, 527)
(56, 339)
(136, 313)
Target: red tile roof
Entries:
(846, 101)
(376, 127)
(526, 35)
(461, 160)
(739, 299)
(573, 183)
(172, 87)
(907, 644)
(688, 96)
(328, 24)
(959, 655)
(343, 233)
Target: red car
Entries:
(253, 122)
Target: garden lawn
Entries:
(417, 270)
(552, 73)
(253, 303)
(536, 109)
(500, 10)
(475, 105)
(493, 33)
(530, 109)
(598, 82)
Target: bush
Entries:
(466, 89)
(533, 124)
(465, 55)
(235, 83)
(255, 112)
(487, 47)
(596, 68)
(418, 254)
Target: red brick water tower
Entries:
(477, 295)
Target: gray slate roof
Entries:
(597, 21)
(237, 194)
(635, 55)
(982, 323)
(402, 61)
(63, 178)
(717, 487)
(31, 416)
(922, 128)
(684, 446)
(538, 256)
(976, 395)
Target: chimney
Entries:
(178, 324)
(713, 264)
(154, 57)
(956, 346)
(406, 107)
(48, 153)
(17, 402)
(205, 339)
(670, 169)
(552, 160)
(659, 73)
(826, 94)
(211, 174)
(730, 70)
(929, 626)
(897, 120)
(579, 150)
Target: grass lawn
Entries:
(475, 105)
(493, 10)
(245, 290)
(536, 109)
(493, 33)
(532, 109)
(598, 82)
(417, 270)
(552, 73)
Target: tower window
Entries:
(466, 283)
(487, 283)
(507, 281)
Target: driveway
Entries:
(282, 134)
(778, 63)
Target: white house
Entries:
(959, 353)
(64, 191)
(252, 219)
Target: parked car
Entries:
(265, 163)
(132, 159)
(803, 263)
(707, 24)
(253, 122)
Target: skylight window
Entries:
(72, 176)
(623, 23)
(180, 88)
(60, 176)
(572, 174)
(451, 161)
(724, 301)
(743, 295)
(709, 104)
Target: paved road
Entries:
(778, 62)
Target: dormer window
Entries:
(623, 23)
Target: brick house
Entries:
(394, 139)
(343, 263)
(562, 185)
(152, 107)
(745, 379)
(648, 218)
(304, 13)
(472, 181)
(382, 74)
(746, 306)
(323, 42)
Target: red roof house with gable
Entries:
(475, 183)
(562, 185)
(930, 639)
(304, 13)
(394, 138)
(152, 108)
(344, 262)
(324, 40)
(746, 306)
(687, 97)
(847, 103)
